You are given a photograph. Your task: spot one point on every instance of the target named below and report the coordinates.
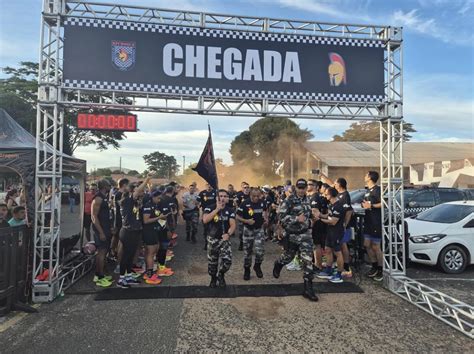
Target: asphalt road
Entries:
(373, 321)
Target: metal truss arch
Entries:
(54, 98)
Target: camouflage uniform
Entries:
(250, 238)
(298, 234)
(218, 248)
(192, 221)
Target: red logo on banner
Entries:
(119, 122)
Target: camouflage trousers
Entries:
(253, 238)
(219, 256)
(192, 221)
(304, 244)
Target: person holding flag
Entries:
(206, 168)
(221, 221)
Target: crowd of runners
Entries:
(312, 221)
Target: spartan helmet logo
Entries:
(336, 70)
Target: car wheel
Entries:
(453, 259)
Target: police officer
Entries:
(252, 213)
(295, 218)
(191, 213)
(207, 198)
(221, 225)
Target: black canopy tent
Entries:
(18, 153)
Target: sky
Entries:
(438, 71)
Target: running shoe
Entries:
(169, 258)
(371, 273)
(165, 272)
(104, 283)
(96, 278)
(135, 275)
(378, 276)
(324, 274)
(123, 283)
(131, 280)
(347, 273)
(337, 278)
(169, 253)
(153, 280)
(174, 236)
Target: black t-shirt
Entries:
(168, 203)
(249, 210)
(4, 223)
(220, 224)
(104, 214)
(373, 217)
(207, 198)
(240, 197)
(317, 201)
(336, 210)
(345, 199)
(154, 210)
(131, 213)
(117, 214)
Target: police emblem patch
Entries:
(123, 55)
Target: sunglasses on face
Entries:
(310, 184)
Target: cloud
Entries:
(434, 107)
(415, 22)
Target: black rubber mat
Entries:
(231, 291)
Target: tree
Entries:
(115, 172)
(267, 143)
(369, 131)
(163, 165)
(133, 173)
(18, 96)
(103, 172)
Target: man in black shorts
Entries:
(319, 204)
(102, 227)
(372, 204)
(345, 199)
(335, 232)
(153, 221)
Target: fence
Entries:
(15, 269)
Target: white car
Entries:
(443, 236)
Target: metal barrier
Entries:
(15, 261)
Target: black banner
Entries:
(206, 167)
(188, 61)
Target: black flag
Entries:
(206, 167)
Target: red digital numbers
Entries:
(119, 122)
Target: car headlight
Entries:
(427, 238)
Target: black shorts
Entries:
(334, 241)
(319, 238)
(87, 221)
(99, 244)
(150, 237)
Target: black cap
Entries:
(301, 183)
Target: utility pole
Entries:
(120, 164)
(184, 164)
